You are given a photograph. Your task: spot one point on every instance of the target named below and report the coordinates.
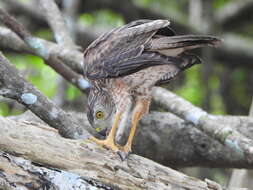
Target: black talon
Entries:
(123, 156)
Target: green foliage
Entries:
(192, 88)
(220, 3)
(161, 4)
(73, 92)
(173, 9)
(44, 34)
(87, 19)
(35, 71)
(4, 108)
(102, 18)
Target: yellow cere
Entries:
(98, 129)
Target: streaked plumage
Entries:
(123, 65)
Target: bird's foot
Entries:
(108, 143)
(124, 152)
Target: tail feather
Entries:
(174, 45)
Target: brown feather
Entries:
(123, 51)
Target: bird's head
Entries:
(101, 110)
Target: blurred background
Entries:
(223, 84)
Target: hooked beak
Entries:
(101, 131)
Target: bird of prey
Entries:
(122, 67)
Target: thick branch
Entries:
(168, 140)
(19, 173)
(204, 121)
(10, 41)
(15, 87)
(43, 145)
(242, 178)
(171, 141)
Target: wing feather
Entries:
(122, 65)
(187, 60)
(141, 44)
(120, 40)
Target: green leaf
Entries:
(35, 71)
(4, 109)
(102, 18)
(72, 92)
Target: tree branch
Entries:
(40, 50)
(242, 178)
(73, 57)
(231, 57)
(79, 56)
(204, 121)
(20, 173)
(86, 159)
(15, 87)
(234, 13)
(170, 141)
(56, 22)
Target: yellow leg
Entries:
(140, 109)
(109, 141)
(128, 145)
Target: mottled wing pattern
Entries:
(186, 60)
(128, 63)
(139, 45)
(124, 41)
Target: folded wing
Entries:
(139, 45)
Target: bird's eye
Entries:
(99, 114)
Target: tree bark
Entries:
(170, 141)
(242, 178)
(45, 147)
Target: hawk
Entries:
(124, 65)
